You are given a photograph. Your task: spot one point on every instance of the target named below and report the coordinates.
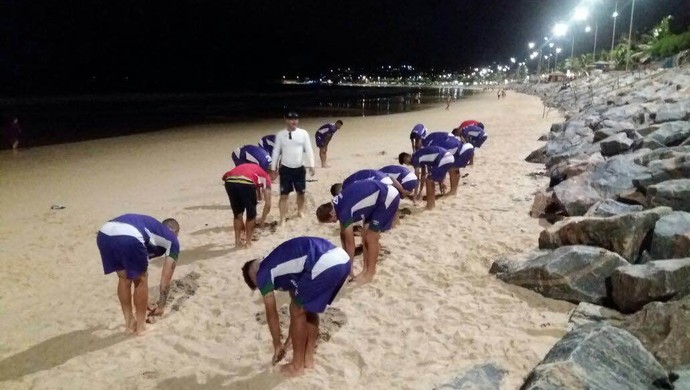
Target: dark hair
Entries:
(323, 213)
(402, 157)
(339, 121)
(336, 188)
(245, 274)
(172, 224)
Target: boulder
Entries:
(683, 380)
(662, 154)
(671, 133)
(543, 203)
(512, 262)
(615, 144)
(664, 329)
(616, 176)
(543, 137)
(673, 112)
(603, 134)
(633, 198)
(671, 237)
(576, 195)
(538, 156)
(634, 286)
(622, 234)
(659, 171)
(610, 207)
(588, 313)
(597, 356)
(486, 377)
(576, 273)
(672, 193)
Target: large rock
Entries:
(664, 329)
(663, 170)
(538, 156)
(615, 144)
(486, 377)
(662, 154)
(616, 176)
(622, 234)
(634, 286)
(543, 204)
(576, 195)
(576, 273)
(597, 356)
(588, 313)
(672, 193)
(511, 262)
(671, 133)
(673, 112)
(671, 238)
(604, 133)
(610, 207)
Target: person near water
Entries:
(438, 161)
(13, 133)
(374, 204)
(252, 154)
(241, 185)
(294, 152)
(323, 137)
(126, 244)
(313, 270)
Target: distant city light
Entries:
(531, 45)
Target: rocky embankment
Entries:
(619, 243)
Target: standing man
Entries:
(292, 147)
(369, 201)
(252, 154)
(241, 185)
(313, 270)
(323, 138)
(126, 244)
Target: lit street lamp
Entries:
(632, 13)
(555, 63)
(615, 16)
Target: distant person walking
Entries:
(13, 132)
(126, 244)
(323, 137)
(292, 147)
(448, 103)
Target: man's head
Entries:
(326, 213)
(249, 271)
(405, 158)
(291, 120)
(172, 225)
(338, 124)
(336, 188)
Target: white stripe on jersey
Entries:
(466, 147)
(250, 158)
(473, 133)
(391, 195)
(236, 153)
(324, 130)
(289, 267)
(162, 242)
(447, 159)
(410, 176)
(333, 257)
(387, 180)
(121, 229)
(366, 202)
(393, 175)
(428, 157)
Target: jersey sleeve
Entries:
(342, 211)
(263, 281)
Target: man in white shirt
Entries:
(292, 147)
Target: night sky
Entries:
(85, 46)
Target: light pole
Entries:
(615, 16)
(555, 63)
(632, 13)
(560, 29)
(580, 14)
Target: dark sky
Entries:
(184, 45)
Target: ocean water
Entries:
(60, 119)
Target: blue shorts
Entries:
(318, 288)
(478, 141)
(437, 174)
(123, 253)
(462, 159)
(382, 217)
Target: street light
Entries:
(555, 63)
(615, 17)
(632, 13)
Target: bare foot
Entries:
(429, 207)
(290, 371)
(452, 193)
(300, 214)
(131, 325)
(309, 360)
(363, 278)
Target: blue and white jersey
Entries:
(472, 132)
(443, 139)
(367, 174)
(404, 176)
(267, 143)
(361, 199)
(158, 239)
(418, 132)
(436, 137)
(432, 157)
(251, 154)
(290, 261)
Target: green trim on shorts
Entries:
(174, 256)
(298, 301)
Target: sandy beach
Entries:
(432, 313)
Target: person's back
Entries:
(404, 176)
(252, 154)
(417, 135)
(430, 156)
(367, 174)
(474, 135)
(436, 137)
(360, 200)
(158, 238)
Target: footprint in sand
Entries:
(329, 321)
(181, 289)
